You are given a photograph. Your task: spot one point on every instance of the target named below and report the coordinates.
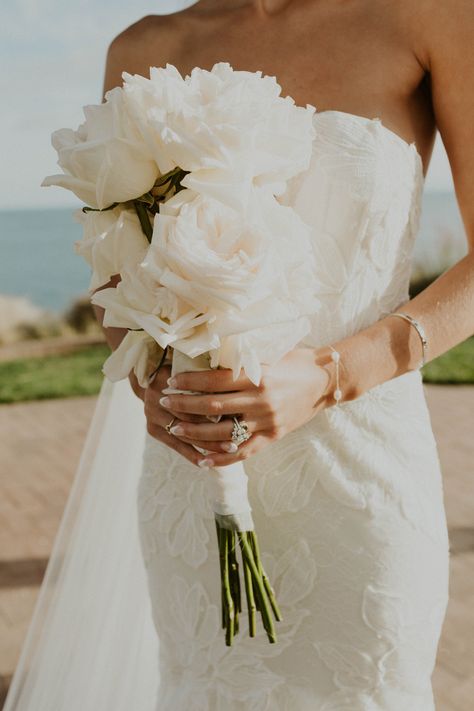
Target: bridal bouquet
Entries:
(181, 178)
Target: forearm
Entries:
(391, 346)
(113, 336)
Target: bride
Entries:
(344, 475)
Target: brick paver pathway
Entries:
(39, 451)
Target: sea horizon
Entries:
(37, 260)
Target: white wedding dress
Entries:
(348, 508)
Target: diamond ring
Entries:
(240, 431)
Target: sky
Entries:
(52, 56)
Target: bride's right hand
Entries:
(158, 417)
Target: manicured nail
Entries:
(229, 446)
(165, 401)
(177, 430)
(205, 462)
(172, 382)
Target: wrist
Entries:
(135, 385)
(335, 390)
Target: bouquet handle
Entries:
(227, 487)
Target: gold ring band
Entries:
(169, 425)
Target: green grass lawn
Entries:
(80, 373)
(53, 376)
(454, 366)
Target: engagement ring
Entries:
(240, 431)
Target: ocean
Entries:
(37, 260)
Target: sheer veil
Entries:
(91, 644)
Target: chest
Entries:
(331, 54)
(357, 56)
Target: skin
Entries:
(411, 65)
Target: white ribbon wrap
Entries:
(227, 486)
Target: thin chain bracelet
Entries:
(336, 357)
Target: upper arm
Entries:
(449, 41)
(125, 52)
(115, 62)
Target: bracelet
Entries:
(420, 330)
(336, 357)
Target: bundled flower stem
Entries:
(259, 592)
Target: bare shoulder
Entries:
(447, 30)
(145, 42)
(442, 27)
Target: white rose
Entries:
(204, 253)
(231, 129)
(112, 239)
(138, 352)
(254, 281)
(106, 159)
(139, 301)
(267, 343)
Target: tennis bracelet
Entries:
(420, 330)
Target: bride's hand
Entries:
(289, 394)
(158, 417)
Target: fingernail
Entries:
(177, 429)
(172, 382)
(205, 463)
(229, 446)
(165, 401)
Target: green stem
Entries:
(142, 212)
(257, 596)
(247, 554)
(230, 603)
(221, 566)
(234, 580)
(268, 587)
(86, 208)
(162, 360)
(250, 598)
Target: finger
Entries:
(160, 379)
(245, 450)
(186, 450)
(211, 445)
(209, 431)
(212, 381)
(223, 404)
(154, 411)
(181, 416)
(161, 416)
(151, 399)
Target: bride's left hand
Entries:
(289, 395)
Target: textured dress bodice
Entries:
(361, 195)
(348, 507)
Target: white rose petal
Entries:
(231, 129)
(205, 254)
(139, 302)
(106, 159)
(112, 240)
(138, 352)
